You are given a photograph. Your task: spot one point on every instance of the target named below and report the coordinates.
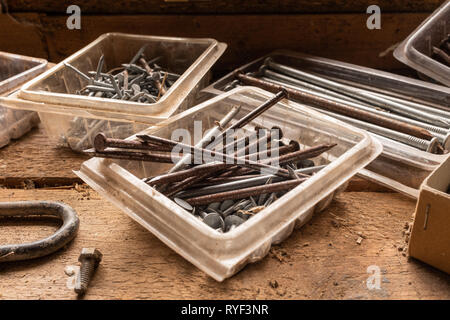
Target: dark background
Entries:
(251, 28)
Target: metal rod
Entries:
(242, 183)
(244, 193)
(210, 154)
(250, 116)
(356, 93)
(340, 108)
(128, 155)
(442, 134)
(429, 146)
(207, 138)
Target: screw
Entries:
(90, 259)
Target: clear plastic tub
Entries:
(221, 255)
(400, 167)
(72, 117)
(14, 71)
(416, 50)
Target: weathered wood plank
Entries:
(343, 37)
(36, 161)
(319, 261)
(22, 34)
(221, 6)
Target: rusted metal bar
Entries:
(244, 193)
(128, 155)
(250, 116)
(101, 142)
(207, 138)
(222, 157)
(338, 107)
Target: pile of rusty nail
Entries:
(223, 179)
(441, 53)
(140, 80)
(414, 124)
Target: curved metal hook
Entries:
(40, 248)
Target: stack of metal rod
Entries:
(418, 125)
(140, 80)
(225, 178)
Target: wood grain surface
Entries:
(320, 261)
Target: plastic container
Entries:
(71, 117)
(416, 50)
(221, 255)
(14, 71)
(400, 167)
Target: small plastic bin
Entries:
(73, 118)
(400, 167)
(416, 50)
(221, 255)
(14, 71)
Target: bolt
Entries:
(90, 259)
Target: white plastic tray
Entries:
(221, 255)
(415, 51)
(68, 117)
(14, 71)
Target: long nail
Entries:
(244, 193)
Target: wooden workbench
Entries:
(320, 261)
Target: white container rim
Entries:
(12, 82)
(172, 98)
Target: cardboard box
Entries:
(430, 236)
